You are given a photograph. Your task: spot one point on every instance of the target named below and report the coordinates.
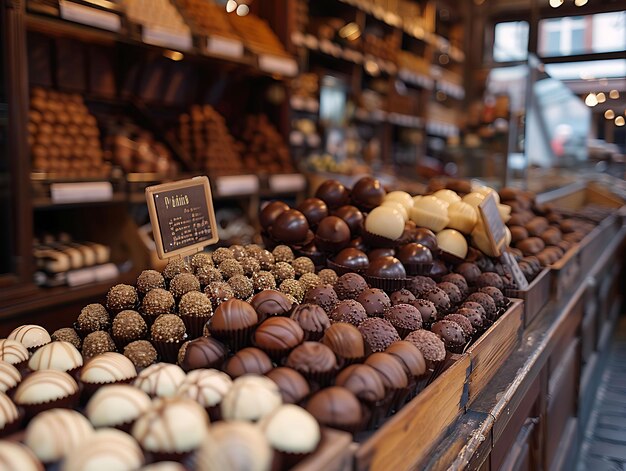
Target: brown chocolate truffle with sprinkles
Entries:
(309, 281)
(486, 302)
(174, 267)
(403, 296)
(231, 267)
(404, 317)
(168, 328)
(122, 297)
(419, 284)
(263, 280)
(464, 322)
(350, 285)
(328, 276)
(472, 315)
(458, 280)
(158, 301)
(489, 279)
(66, 334)
(239, 251)
(324, 296)
(129, 326)
(432, 347)
(378, 334)
(451, 333)
(195, 304)
(202, 259)
(96, 343)
(184, 283)
(218, 292)
(348, 311)
(469, 271)
(241, 286)
(294, 288)
(452, 290)
(303, 265)
(252, 250)
(207, 275)
(499, 298)
(250, 265)
(375, 301)
(141, 353)
(283, 253)
(93, 317)
(439, 298)
(266, 259)
(283, 271)
(220, 254)
(148, 280)
(427, 310)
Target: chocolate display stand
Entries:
(182, 217)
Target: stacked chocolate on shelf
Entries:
(157, 14)
(264, 149)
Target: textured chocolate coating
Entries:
(352, 258)
(270, 213)
(496, 295)
(403, 296)
(486, 301)
(469, 271)
(350, 285)
(352, 216)
(290, 227)
(409, 356)
(158, 301)
(270, 302)
(311, 317)
(149, 279)
(314, 210)
(345, 340)
(248, 361)
(292, 385)
(431, 346)
(232, 315)
(489, 279)
(375, 301)
(453, 292)
(367, 193)
(464, 323)
(390, 370)
(278, 333)
(458, 280)
(324, 296)
(418, 284)
(333, 193)
(404, 317)
(426, 237)
(378, 333)
(450, 332)
(335, 407)
(363, 381)
(349, 311)
(312, 357)
(332, 233)
(427, 310)
(476, 307)
(386, 267)
(439, 298)
(414, 254)
(203, 352)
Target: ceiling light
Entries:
(609, 114)
(243, 10)
(580, 3)
(619, 121)
(591, 100)
(614, 94)
(601, 97)
(231, 6)
(556, 3)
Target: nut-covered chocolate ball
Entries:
(221, 254)
(195, 304)
(218, 292)
(303, 265)
(207, 275)
(93, 317)
(174, 267)
(349, 286)
(310, 281)
(282, 253)
(122, 297)
(294, 288)
(283, 271)
(168, 328)
(141, 353)
(324, 296)
(184, 283)
(66, 334)
(202, 259)
(158, 301)
(328, 276)
(148, 280)
(96, 343)
(129, 325)
(250, 265)
(242, 286)
(263, 280)
(231, 267)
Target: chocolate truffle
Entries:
(404, 317)
(332, 233)
(486, 302)
(292, 385)
(345, 340)
(328, 276)
(242, 286)
(291, 429)
(250, 266)
(497, 296)
(66, 334)
(174, 267)
(250, 398)
(367, 193)
(382, 252)
(324, 296)
(403, 296)
(252, 250)
(270, 213)
(431, 346)
(266, 260)
(464, 323)
(208, 275)
(293, 288)
(350, 285)
(311, 358)
(160, 380)
(96, 343)
(358, 243)
(312, 318)
(290, 227)
(385, 222)
(419, 284)
(232, 316)
(149, 279)
(378, 333)
(221, 254)
(195, 304)
(231, 267)
(453, 292)
(349, 311)
(352, 259)
(390, 369)
(469, 271)
(116, 405)
(218, 292)
(386, 267)
(141, 353)
(283, 271)
(168, 328)
(303, 265)
(336, 407)
(427, 310)
(13, 352)
(158, 301)
(310, 281)
(93, 317)
(439, 298)
(202, 259)
(128, 326)
(122, 297)
(269, 303)
(278, 334)
(283, 253)
(206, 387)
(451, 333)
(409, 356)
(314, 210)
(478, 308)
(184, 283)
(414, 254)
(457, 280)
(352, 216)
(333, 193)
(489, 279)
(263, 280)
(426, 237)
(375, 301)
(363, 381)
(248, 360)
(203, 352)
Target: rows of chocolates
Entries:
(264, 149)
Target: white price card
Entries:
(224, 46)
(82, 192)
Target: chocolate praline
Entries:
(474, 316)
(332, 233)
(333, 193)
(486, 302)
(357, 243)
(452, 290)
(427, 309)
(292, 385)
(352, 216)
(312, 318)
(314, 210)
(270, 213)
(409, 356)
(469, 271)
(474, 306)
(249, 360)
(425, 237)
(363, 381)
(324, 296)
(403, 296)
(336, 407)
(390, 370)
(458, 280)
(367, 193)
(278, 333)
(404, 317)
(345, 340)
(378, 333)
(450, 332)
(432, 347)
(439, 298)
(418, 284)
(386, 267)
(415, 254)
(377, 253)
(464, 322)
(438, 270)
(290, 227)
(349, 286)
(311, 358)
(489, 279)
(353, 259)
(375, 301)
(349, 311)
(269, 303)
(496, 295)
(203, 352)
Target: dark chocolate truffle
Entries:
(409, 356)
(349, 286)
(333, 193)
(390, 370)
(414, 254)
(203, 352)
(404, 317)
(439, 298)
(386, 267)
(349, 311)
(375, 301)
(270, 213)
(363, 381)
(472, 315)
(486, 302)
(313, 320)
(278, 334)
(149, 279)
(269, 303)
(314, 210)
(367, 193)
(475, 307)
(290, 227)
(352, 216)
(377, 253)
(427, 310)
(345, 340)
(248, 361)
(438, 269)
(426, 237)
(452, 290)
(489, 279)
(218, 292)
(497, 296)
(378, 333)
(431, 346)
(464, 323)
(403, 296)
(458, 280)
(332, 234)
(352, 259)
(451, 333)
(323, 296)
(312, 358)
(292, 385)
(419, 284)
(469, 271)
(336, 407)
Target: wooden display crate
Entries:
(334, 453)
(535, 297)
(494, 347)
(566, 272)
(598, 239)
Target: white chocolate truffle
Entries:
(486, 191)
(291, 429)
(107, 449)
(54, 433)
(172, 425)
(452, 242)
(401, 197)
(385, 221)
(115, 405)
(45, 386)
(474, 199)
(205, 386)
(398, 206)
(234, 446)
(8, 411)
(160, 379)
(9, 376)
(31, 336)
(505, 212)
(462, 216)
(14, 456)
(446, 195)
(416, 198)
(481, 240)
(430, 212)
(109, 367)
(13, 351)
(251, 398)
(60, 356)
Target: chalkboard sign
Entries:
(513, 268)
(182, 216)
(493, 223)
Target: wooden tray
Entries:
(566, 272)
(333, 454)
(598, 239)
(535, 297)
(494, 347)
(403, 441)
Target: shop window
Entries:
(510, 41)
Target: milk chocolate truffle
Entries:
(486, 302)
(158, 301)
(328, 276)
(349, 311)
(333, 193)
(414, 255)
(232, 315)
(266, 259)
(336, 407)
(378, 333)
(293, 288)
(457, 280)
(453, 292)
(418, 284)
(431, 346)
(235, 446)
(66, 334)
(148, 280)
(202, 259)
(312, 358)
(270, 303)
(352, 259)
(409, 356)
(249, 360)
(386, 267)
(93, 317)
(116, 405)
(303, 265)
(31, 336)
(464, 323)
(345, 340)
(363, 381)
(451, 333)
(283, 253)
(314, 210)
(375, 301)
(310, 281)
(283, 271)
(60, 356)
(270, 213)
(43, 437)
(290, 227)
(250, 266)
(45, 386)
(141, 353)
(312, 319)
(497, 296)
(404, 317)
(278, 334)
(203, 352)
(195, 304)
(403, 296)
(263, 280)
(122, 297)
(469, 271)
(350, 285)
(367, 193)
(489, 279)
(168, 328)
(390, 369)
(385, 221)
(332, 234)
(97, 343)
(324, 296)
(291, 429)
(427, 310)
(184, 283)
(292, 385)
(9, 378)
(208, 275)
(242, 286)
(474, 306)
(171, 425)
(160, 380)
(206, 387)
(218, 292)
(129, 326)
(221, 254)
(231, 267)
(352, 216)
(250, 398)
(105, 449)
(439, 298)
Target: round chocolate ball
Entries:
(278, 334)
(324, 296)
(458, 280)
(439, 298)
(348, 311)
(451, 333)
(292, 385)
(333, 193)
(332, 233)
(367, 193)
(270, 213)
(496, 295)
(402, 296)
(386, 267)
(352, 216)
(290, 227)
(203, 352)
(426, 237)
(378, 334)
(353, 259)
(414, 254)
(487, 302)
(314, 210)
(249, 360)
(375, 301)
(452, 290)
(469, 271)
(357, 243)
(489, 279)
(349, 286)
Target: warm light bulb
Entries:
(173, 55)
(580, 3)
(231, 6)
(591, 100)
(243, 10)
(556, 3)
(614, 94)
(620, 121)
(609, 114)
(601, 97)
